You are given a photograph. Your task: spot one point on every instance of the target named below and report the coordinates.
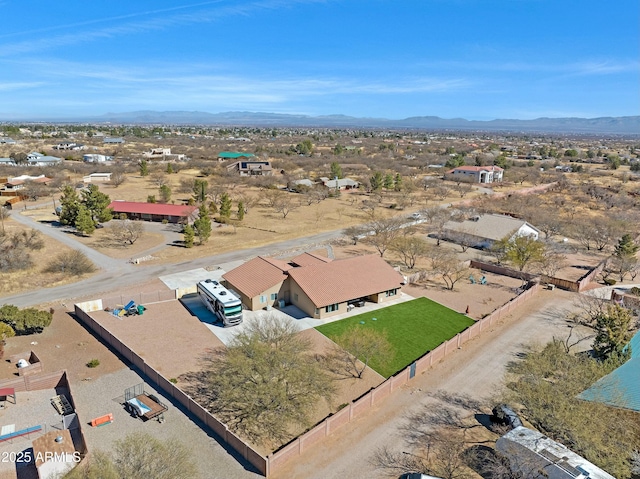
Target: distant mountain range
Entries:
(626, 125)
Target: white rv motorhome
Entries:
(221, 302)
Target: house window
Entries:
(274, 296)
(263, 299)
(391, 292)
(331, 307)
(295, 297)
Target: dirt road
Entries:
(477, 369)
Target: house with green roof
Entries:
(233, 155)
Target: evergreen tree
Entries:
(376, 181)
(189, 236)
(97, 203)
(336, 170)
(165, 193)
(144, 168)
(84, 221)
(397, 182)
(202, 225)
(613, 332)
(388, 181)
(225, 205)
(626, 247)
(70, 203)
(169, 168)
(240, 210)
(200, 190)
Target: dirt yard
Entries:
(33, 278)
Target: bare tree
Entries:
(355, 233)
(117, 177)
(383, 233)
(126, 231)
(447, 265)
(284, 204)
(437, 217)
(410, 248)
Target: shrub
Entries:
(165, 221)
(94, 363)
(173, 380)
(609, 281)
(635, 291)
(73, 262)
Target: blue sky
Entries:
(474, 59)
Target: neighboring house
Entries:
(97, 178)
(233, 155)
(535, 455)
(155, 211)
(484, 230)
(7, 141)
(319, 286)
(95, 158)
(113, 140)
(479, 174)
(13, 185)
(69, 145)
(304, 182)
(54, 454)
(162, 153)
(341, 184)
(38, 159)
(7, 162)
(251, 168)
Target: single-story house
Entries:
(304, 182)
(17, 183)
(535, 455)
(7, 141)
(155, 211)
(341, 184)
(69, 145)
(163, 153)
(251, 168)
(97, 178)
(7, 162)
(233, 155)
(38, 159)
(113, 140)
(95, 158)
(319, 286)
(483, 230)
(479, 174)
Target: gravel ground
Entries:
(106, 395)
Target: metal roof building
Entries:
(621, 387)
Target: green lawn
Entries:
(412, 328)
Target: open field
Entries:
(413, 328)
(33, 278)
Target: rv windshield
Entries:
(233, 310)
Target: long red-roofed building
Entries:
(155, 211)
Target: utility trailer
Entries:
(143, 405)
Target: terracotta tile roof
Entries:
(345, 279)
(257, 275)
(309, 259)
(151, 208)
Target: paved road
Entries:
(116, 273)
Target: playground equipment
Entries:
(130, 309)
